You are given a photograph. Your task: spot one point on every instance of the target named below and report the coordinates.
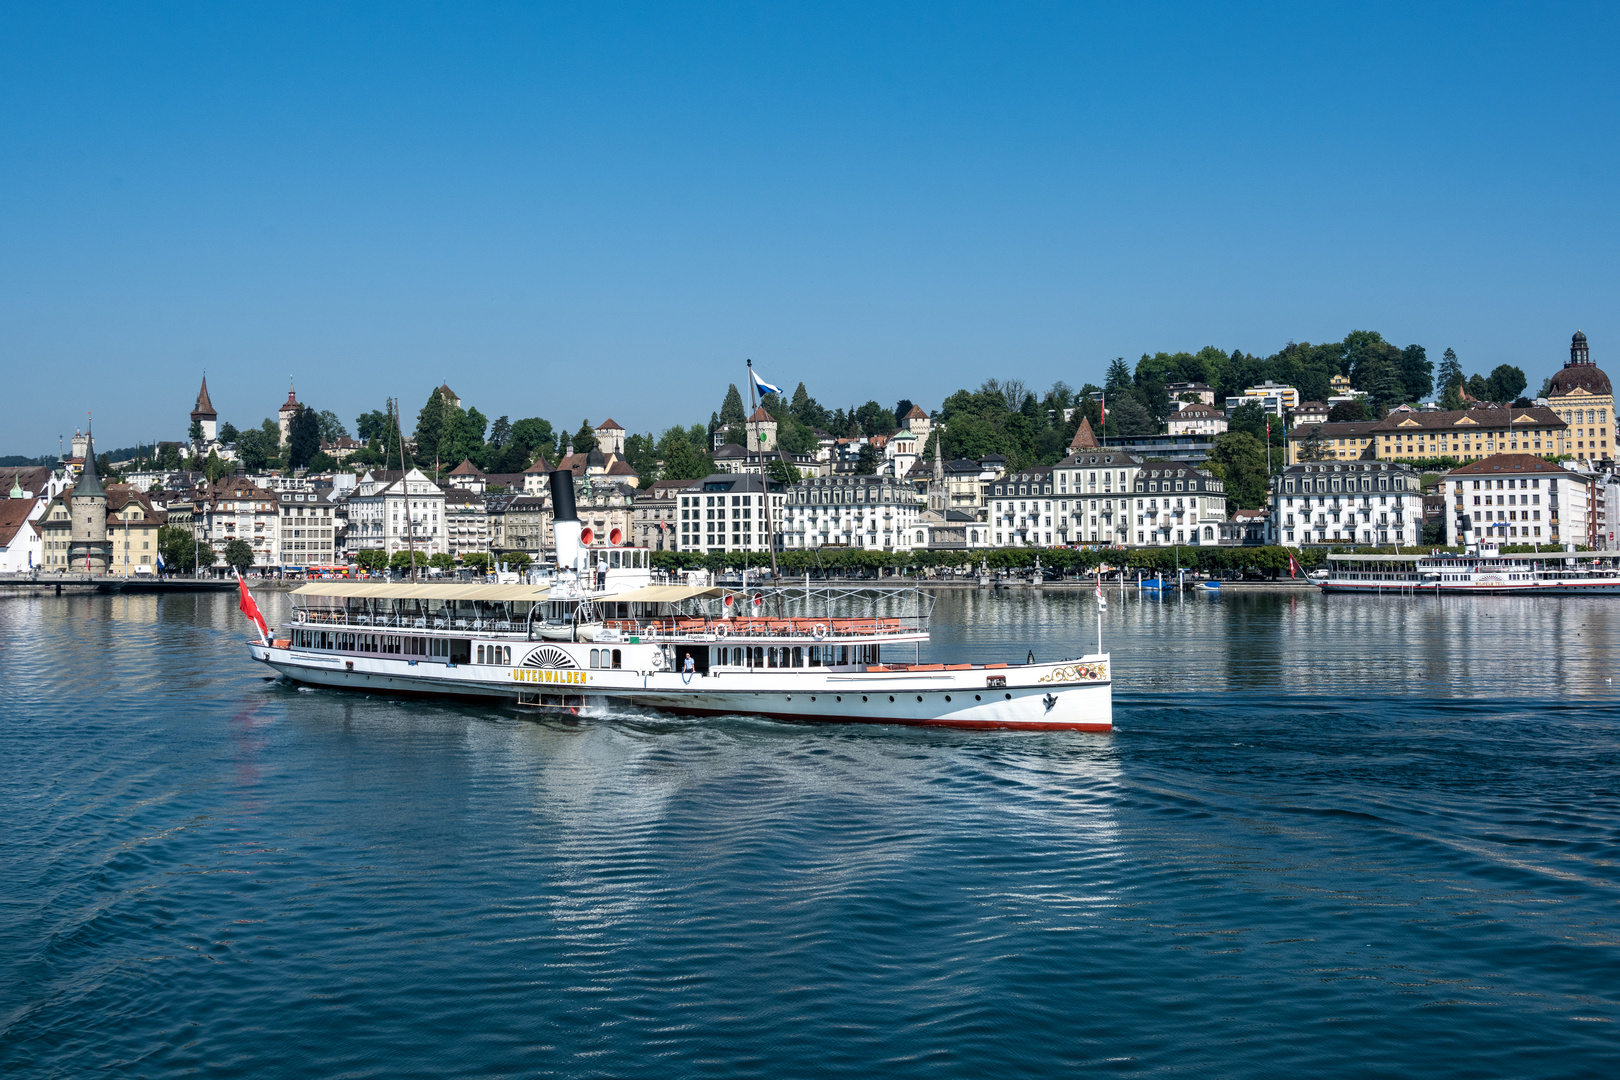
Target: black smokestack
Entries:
(562, 496)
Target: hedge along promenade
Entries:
(1077, 562)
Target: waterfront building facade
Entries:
(466, 522)
(1093, 488)
(1022, 508)
(875, 513)
(393, 511)
(727, 512)
(1369, 503)
(1520, 499)
(238, 509)
(1469, 434)
(308, 529)
(657, 510)
(1177, 504)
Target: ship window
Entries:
(480, 654)
(798, 656)
(596, 658)
(617, 657)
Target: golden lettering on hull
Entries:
(548, 675)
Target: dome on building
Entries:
(1585, 376)
(1580, 335)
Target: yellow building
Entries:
(1469, 434)
(1581, 396)
(1331, 442)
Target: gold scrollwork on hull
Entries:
(1076, 673)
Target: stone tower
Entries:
(203, 413)
(288, 410)
(89, 551)
(761, 430)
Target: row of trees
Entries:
(847, 561)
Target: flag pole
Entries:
(764, 482)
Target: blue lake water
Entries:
(1332, 836)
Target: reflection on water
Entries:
(1332, 835)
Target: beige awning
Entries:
(461, 590)
(659, 594)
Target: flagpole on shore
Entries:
(764, 483)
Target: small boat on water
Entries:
(604, 633)
(1210, 586)
(1154, 584)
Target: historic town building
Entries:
(1582, 398)
(1520, 499)
(393, 511)
(1177, 504)
(726, 512)
(1357, 502)
(869, 512)
(1093, 486)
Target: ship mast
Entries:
(405, 486)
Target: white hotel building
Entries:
(875, 513)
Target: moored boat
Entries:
(603, 633)
(1482, 569)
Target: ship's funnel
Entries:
(565, 520)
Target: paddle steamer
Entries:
(1482, 569)
(602, 634)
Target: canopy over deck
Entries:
(366, 590)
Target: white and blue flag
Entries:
(764, 387)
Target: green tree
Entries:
(403, 560)
(1241, 462)
(1417, 372)
(238, 555)
(214, 468)
(1450, 373)
(228, 433)
(303, 437)
(372, 560)
(868, 461)
(516, 561)
(1506, 382)
(1345, 412)
(1118, 381)
(332, 428)
(875, 419)
(732, 415)
(168, 456)
(376, 424)
(1451, 396)
(805, 409)
(901, 407)
(195, 432)
(1129, 418)
(182, 551)
(1478, 388)
(682, 460)
(442, 561)
(782, 472)
(476, 561)
(500, 432)
(584, 438)
(1311, 447)
(533, 437)
(253, 449)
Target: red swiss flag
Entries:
(249, 608)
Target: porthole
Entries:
(863, 697)
(978, 697)
(790, 697)
(891, 697)
(1009, 697)
(839, 697)
(919, 697)
(812, 697)
(947, 697)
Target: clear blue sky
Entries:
(603, 211)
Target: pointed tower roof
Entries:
(1085, 438)
(916, 413)
(610, 424)
(89, 485)
(204, 409)
(761, 417)
(291, 404)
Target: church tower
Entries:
(203, 413)
(89, 550)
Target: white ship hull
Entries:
(1074, 695)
